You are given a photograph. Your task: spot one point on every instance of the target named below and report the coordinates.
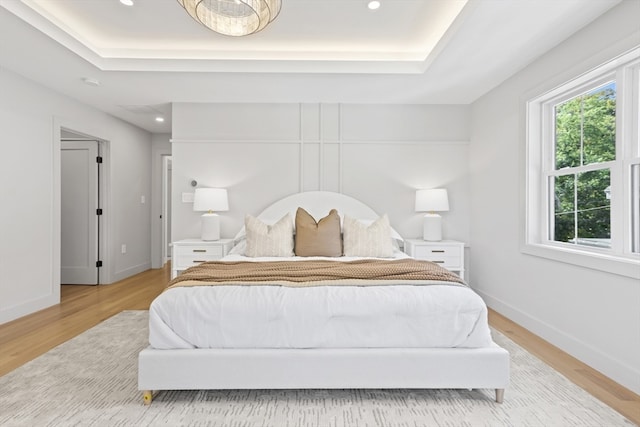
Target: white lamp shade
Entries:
(433, 200)
(210, 200)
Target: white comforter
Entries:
(318, 317)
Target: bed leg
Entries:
(499, 395)
(147, 397)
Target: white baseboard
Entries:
(123, 274)
(17, 311)
(627, 376)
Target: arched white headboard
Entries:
(318, 204)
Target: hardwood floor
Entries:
(608, 391)
(83, 307)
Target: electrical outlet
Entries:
(142, 199)
(124, 249)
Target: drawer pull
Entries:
(198, 261)
(199, 250)
(437, 251)
(438, 262)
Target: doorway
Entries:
(166, 208)
(81, 210)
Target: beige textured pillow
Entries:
(364, 240)
(320, 238)
(269, 240)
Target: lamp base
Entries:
(210, 223)
(432, 230)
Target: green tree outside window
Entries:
(585, 134)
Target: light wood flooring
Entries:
(83, 307)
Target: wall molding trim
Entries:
(123, 274)
(28, 307)
(376, 153)
(320, 141)
(621, 373)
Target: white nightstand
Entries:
(447, 253)
(188, 252)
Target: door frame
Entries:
(105, 273)
(158, 152)
(166, 207)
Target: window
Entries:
(584, 149)
(583, 169)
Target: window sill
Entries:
(629, 267)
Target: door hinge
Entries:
(98, 263)
(98, 211)
(99, 159)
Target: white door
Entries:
(79, 240)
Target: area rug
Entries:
(91, 380)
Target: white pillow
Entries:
(365, 240)
(269, 240)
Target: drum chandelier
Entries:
(233, 17)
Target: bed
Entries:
(348, 334)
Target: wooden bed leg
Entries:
(147, 397)
(499, 395)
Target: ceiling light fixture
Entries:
(127, 2)
(159, 119)
(233, 17)
(373, 5)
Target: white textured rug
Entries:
(91, 381)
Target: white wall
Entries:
(379, 154)
(130, 170)
(30, 118)
(592, 315)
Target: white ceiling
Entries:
(333, 51)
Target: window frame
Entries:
(540, 166)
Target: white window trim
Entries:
(619, 259)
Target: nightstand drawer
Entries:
(189, 252)
(190, 255)
(446, 253)
(205, 252)
(437, 252)
(443, 261)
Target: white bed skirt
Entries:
(188, 369)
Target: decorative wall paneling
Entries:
(380, 154)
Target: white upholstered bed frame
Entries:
(418, 368)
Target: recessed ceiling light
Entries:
(91, 81)
(373, 5)
(127, 2)
(159, 119)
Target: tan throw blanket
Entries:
(368, 272)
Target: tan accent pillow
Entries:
(269, 240)
(364, 240)
(320, 238)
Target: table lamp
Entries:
(209, 200)
(432, 201)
